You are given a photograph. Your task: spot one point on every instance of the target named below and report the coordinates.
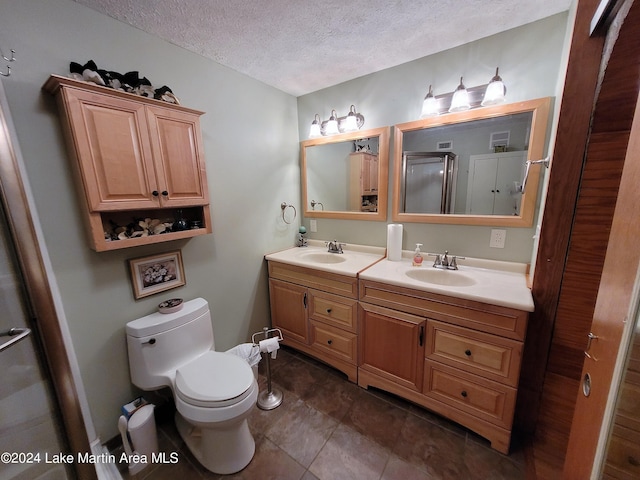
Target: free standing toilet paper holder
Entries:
(271, 398)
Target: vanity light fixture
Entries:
(430, 105)
(351, 122)
(464, 98)
(460, 99)
(314, 131)
(495, 91)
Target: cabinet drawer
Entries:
(487, 355)
(337, 311)
(335, 342)
(482, 398)
(325, 281)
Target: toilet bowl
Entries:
(214, 392)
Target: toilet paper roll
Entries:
(270, 345)
(394, 242)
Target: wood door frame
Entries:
(23, 229)
(575, 232)
(614, 303)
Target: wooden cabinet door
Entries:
(392, 345)
(179, 157)
(289, 309)
(113, 151)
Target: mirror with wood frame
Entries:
(346, 176)
(473, 167)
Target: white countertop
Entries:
(494, 282)
(354, 259)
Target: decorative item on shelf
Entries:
(180, 224)
(464, 98)
(156, 273)
(129, 82)
(137, 228)
(170, 306)
(351, 122)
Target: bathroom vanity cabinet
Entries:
(317, 312)
(134, 158)
(457, 357)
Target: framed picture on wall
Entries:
(156, 273)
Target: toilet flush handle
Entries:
(151, 341)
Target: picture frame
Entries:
(156, 273)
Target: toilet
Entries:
(214, 392)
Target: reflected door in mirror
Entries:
(494, 183)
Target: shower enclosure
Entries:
(429, 182)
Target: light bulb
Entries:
(430, 105)
(495, 91)
(460, 100)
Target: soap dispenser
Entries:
(417, 256)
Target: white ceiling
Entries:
(300, 46)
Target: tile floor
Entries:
(330, 429)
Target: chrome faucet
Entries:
(445, 262)
(335, 246)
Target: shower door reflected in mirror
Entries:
(429, 182)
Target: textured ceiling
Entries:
(300, 46)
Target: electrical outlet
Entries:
(313, 226)
(498, 238)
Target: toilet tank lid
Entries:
(159, 322)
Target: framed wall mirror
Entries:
(472, 167)
(346, 176)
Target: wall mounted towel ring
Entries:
(284, 206)
(314, 203)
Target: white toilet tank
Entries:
(160, 343)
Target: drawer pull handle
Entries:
(467, 353)
(464, 393)
(329, 342)
(633, 461)
(328, 310)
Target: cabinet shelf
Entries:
(100, 222)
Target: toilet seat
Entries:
(214, 379)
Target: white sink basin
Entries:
(452, 278)
(317, 257)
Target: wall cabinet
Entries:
(317, 313)
(133, 154)
(363, 182)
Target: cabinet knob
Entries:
(328, 310)
(467, 353)
(155, 193)
(464, 393)
(165, 193)
(329, 342)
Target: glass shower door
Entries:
(30, 428)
